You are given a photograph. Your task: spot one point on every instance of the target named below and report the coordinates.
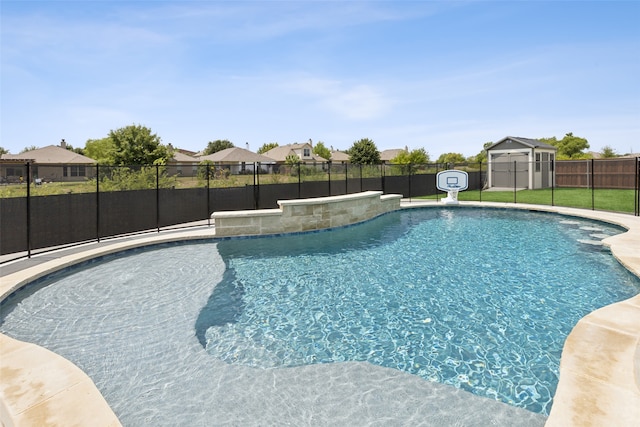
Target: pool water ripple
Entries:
(479, 299)
(397, 299)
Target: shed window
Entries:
(537, 162)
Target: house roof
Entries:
(339, 156)
(179, 156)
(280, 153)
(236, 154)
(387, 155)
(529, 142)
(50, 154)
(187, 152)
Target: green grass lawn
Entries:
(603, 199)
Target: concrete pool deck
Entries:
(600, 366)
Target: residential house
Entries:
(387, 155)
(303, 151)
(182, 164)
(47, 164)
(339, 157)
(239, 161)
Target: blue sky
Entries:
(445, 76)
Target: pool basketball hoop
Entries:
(452, 181)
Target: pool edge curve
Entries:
(587, 393)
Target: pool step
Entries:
(591, 242)
(587, 228)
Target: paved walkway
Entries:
(600, 365)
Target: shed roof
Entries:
(529, 142)
(51, 154)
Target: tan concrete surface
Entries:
(40, 388)
(599, 370)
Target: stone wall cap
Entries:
(248, 213)
(391, 196)
(329, 199)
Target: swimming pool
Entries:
(404, 316)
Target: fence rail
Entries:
(43, 206)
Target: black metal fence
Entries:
(44, 206)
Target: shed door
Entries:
(510, 169)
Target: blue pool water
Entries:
(481, 299)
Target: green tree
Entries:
(292, 160)
(481, 157)
(267, 146)
(75, 150)
(3, 151)
(203, 167)
(145, 178)
(409, 160)
(100, 150)
(569, 147)
(447, 158)
(608, 152)
(419, 156)
(31, 148)
(364, 152)
(136, 145)
(217, 145)
(322, 151)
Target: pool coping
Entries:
(599, 369)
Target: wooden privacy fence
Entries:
(597, 173)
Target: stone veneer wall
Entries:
(306, 214)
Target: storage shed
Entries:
(515, 162)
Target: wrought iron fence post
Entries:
(299, 178)
(208, 171)
(553, 181)
(257, 193)
(515, 180)
(158, 198)
(329, 165)
(637, 188)
(361, 177)
(593, 186)
(253, 189)
(481, 181)
(28, 174)
(410, 167)
(98, 202)
(346, 179)
(383, 177)
(437, 192)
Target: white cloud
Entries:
(347, 101)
